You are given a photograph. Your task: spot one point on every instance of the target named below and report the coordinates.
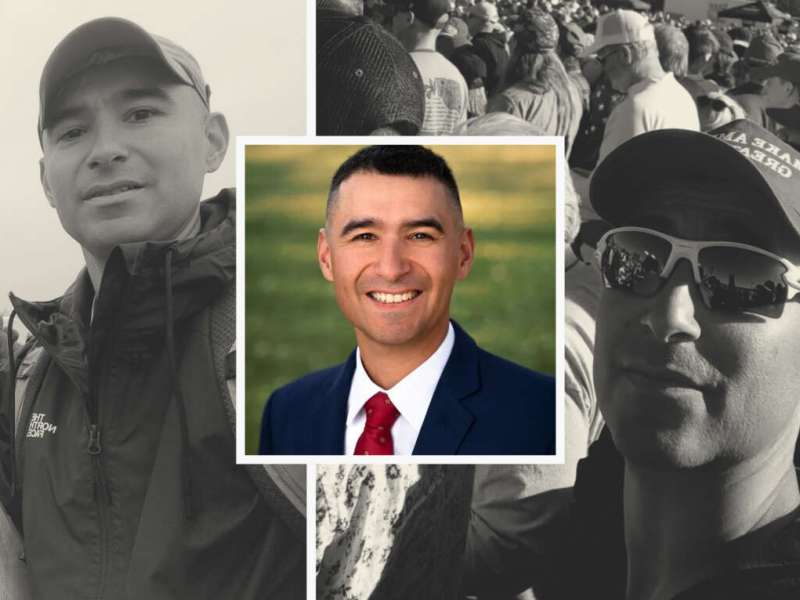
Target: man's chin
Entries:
(664, 450)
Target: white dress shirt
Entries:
(411, 396)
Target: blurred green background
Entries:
(293, 325)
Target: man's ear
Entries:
(46, 186)
(217, 136)
(627, 54)
(324, 255)
(466, 253)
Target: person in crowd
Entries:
(122, 477)
(541, 92)
(463, 55)
(366, 81)
(489, 43)
(625, 44)
(692, 492)
(703, 51)
(393, 246)
(673, 49)
(417, 24)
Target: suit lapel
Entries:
(447, 420)
(330, 413)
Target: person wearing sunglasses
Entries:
(691, 491)
(625, 45)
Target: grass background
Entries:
(292, 322)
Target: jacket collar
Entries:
(132, 294)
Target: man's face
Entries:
(611, 59)
(125, 154)
(394, 246)
(778, 93)
(682, 386)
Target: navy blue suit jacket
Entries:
(483, 404)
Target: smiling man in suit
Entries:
(394, 245)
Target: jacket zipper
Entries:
(102, 494)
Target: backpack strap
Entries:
(282, 486)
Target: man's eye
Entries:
(419, 235)
(141, 114)
(363, 237)
(71, 134)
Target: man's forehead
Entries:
(131, 76)
(368, 188)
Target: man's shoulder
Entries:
(500, 372)
(307, 386)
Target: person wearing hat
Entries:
(119, 456)
(625, 45)
(541, 92)
(692, 491)
(780, 89)
(367, 84)
(417, 24)
(463, 55)
(490, 44)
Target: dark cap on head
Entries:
(366, 80)
(737, 154)
(538, 32)
(427, 11)
(103, 40)
(762, 51)
(787, 67)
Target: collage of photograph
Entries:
(376, 378)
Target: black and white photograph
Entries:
(117, 436)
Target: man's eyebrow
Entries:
(145, 92)
(432, 222)
(354, 224)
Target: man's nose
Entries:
(392, 262)
(671, 315)
(108, 145)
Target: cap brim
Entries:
(620, 183)
(788, 117)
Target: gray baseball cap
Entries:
(103, 40)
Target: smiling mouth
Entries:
(111, 190)
(386, 298)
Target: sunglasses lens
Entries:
(736, 280)
(634, 261)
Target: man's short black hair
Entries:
(405, 160)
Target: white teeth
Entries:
(393, 298)
(116, 190)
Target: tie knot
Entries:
(381, 412)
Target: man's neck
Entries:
(425, 40)
(649, 70)
(96, 260)
(677, 522)
(387, 365)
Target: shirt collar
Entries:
(411, 395)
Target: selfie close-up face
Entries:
(125, 153)
(394, 247)
(678, 372)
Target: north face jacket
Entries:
(126, 484)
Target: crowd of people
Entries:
(682, 245)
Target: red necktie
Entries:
(377, 436)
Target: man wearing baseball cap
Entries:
(417, 24)
(119, 467)
(625, 45)
(692, 492)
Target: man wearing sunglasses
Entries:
(692, 490)
(625, 45)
